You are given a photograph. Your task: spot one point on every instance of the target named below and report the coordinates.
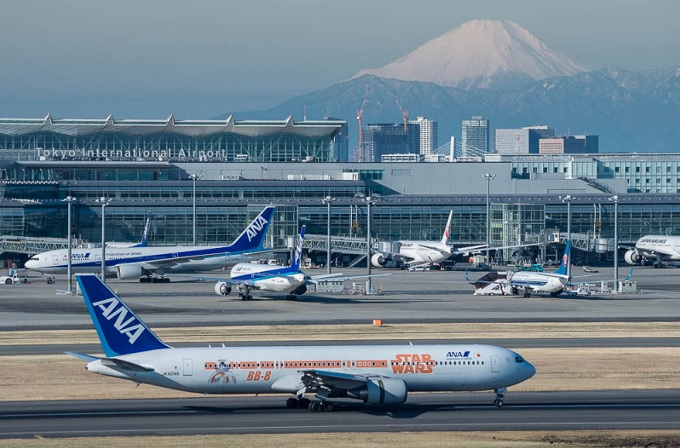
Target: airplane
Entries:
(552, 283)
(151, 264)
(413, 252)
(317, 377)
(654, 249)
(289, 279)
(145, 235)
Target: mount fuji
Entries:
(481, 54)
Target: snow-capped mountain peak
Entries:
(481, 54)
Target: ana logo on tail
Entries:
(111, 308)
(255, 227)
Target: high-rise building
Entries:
(475, 137)
(389, 138)
(521, 141)
(573, 144)
(428, 135)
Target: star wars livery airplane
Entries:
(316, 377)
(150, 264)
(261, 277)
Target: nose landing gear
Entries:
(500, 394)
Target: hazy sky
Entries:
(198, 59)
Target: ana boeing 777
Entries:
(150, 264)
(315, 377)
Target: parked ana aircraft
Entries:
(411, 252)
(654, 249)
(289, 280)
(374, 374)
(144, 262)
(552, 283)
(142, 243)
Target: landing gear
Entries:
(527, 293)
(151, 279)
(500, 394)
(245, 296)
(313, 406)
(291, 297)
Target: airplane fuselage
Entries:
(654, 247)
(225, 370)
(89, 260)
(424, 251)
(538, 282)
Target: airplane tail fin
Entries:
(145, 235)
(253, 236)
(447, 230)
(562, 270)
(120, 331)
(630, 274)
(297, 257)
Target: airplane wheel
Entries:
(498, 403)
(304, 403)
(328, 407)
(292, 403)
(166, 279)
(249, 297)
(315, 406)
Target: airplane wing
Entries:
(317, 278)
(315, 380)
(172, 260)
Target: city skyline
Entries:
(81, 59)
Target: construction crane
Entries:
(360, 117)
(404, 113)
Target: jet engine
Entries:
(300, 290)
(126, 271)
(222, 288)
(384, 391)
(632, 257)
(378, 260)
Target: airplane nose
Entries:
(529, 370)
(30, 264)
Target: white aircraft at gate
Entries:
(315, 377)
(152, 263)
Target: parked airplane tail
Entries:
(563, 269)
(120, 331)
(145, 235)
(297, 257)
(447, 230)
(253, 236)
(630, 274)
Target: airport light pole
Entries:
(104, 202)
(370, 200)
(615, 200)
(327, 200)
(69, 288)
(568, 200)
(489, 177)
(194, 178)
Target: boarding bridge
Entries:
(339, 245)
(30, 245)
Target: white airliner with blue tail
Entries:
(151, 264)
(289, 280)
(316, 377)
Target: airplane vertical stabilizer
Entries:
(297, 257)
(120, 331)
(252, 237)
(145, 235)
(563, 269)
(447, 230)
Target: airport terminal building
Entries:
(236, 167)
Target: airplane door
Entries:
(495, 363)
(187, 367)
(55, 260)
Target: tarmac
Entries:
(402, 297)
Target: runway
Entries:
(266, 415)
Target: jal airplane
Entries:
(151, 264)
(315, 377)
(655, 249)
(529, 282)
(420, 252)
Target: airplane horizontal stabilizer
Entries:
(127, 365)
(83, 356)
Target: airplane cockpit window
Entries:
(519, 359)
